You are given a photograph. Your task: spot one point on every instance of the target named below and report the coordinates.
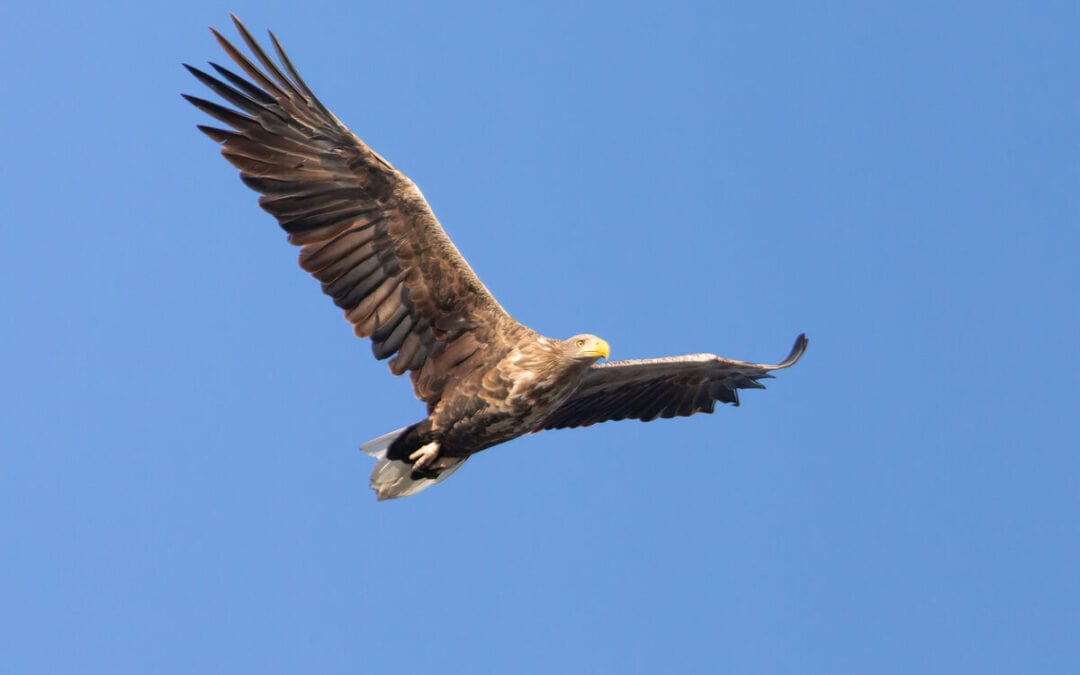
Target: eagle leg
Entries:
(424, 456)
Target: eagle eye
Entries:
(581, 343)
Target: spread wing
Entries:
(364, 229)
(676, 386)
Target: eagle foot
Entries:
(424, 457)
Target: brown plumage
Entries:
(367, 234)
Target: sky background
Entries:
(180, 408)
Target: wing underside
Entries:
(365, 231)
(676, 386)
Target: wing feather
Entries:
(365, 231)
(676, 386)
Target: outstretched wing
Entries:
(676, 386)
(364, 229)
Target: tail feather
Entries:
(392, 478)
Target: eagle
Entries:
(368, 235)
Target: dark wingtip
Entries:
(218, 135)
(796, 353)
(240, 27)
(218, 36)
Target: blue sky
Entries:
(180, 487)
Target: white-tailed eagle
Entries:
(367, 234)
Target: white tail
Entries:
(391, 479)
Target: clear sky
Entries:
(180, 408)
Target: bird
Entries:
(367, 234)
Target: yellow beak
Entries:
(599, 349)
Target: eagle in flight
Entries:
(367, 234)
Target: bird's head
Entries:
(587, 347)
